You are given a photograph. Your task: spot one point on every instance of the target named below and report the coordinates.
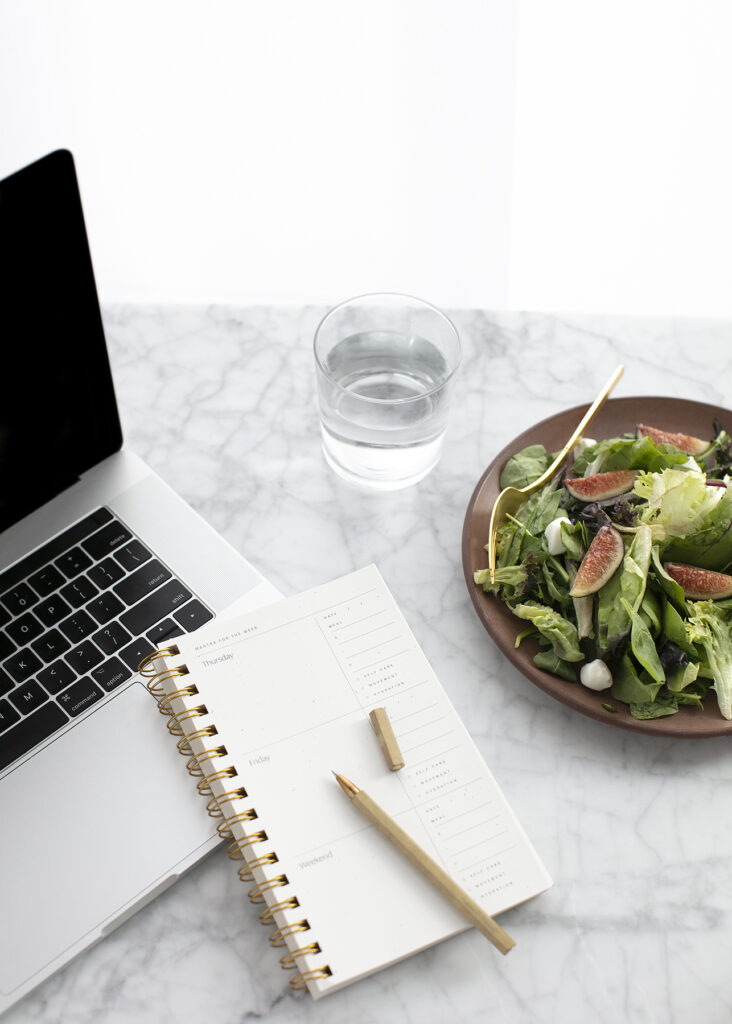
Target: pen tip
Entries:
(348, 787)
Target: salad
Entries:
(620, 568)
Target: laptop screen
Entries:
(58, 414)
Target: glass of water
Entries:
(385, 364)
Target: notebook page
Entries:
(289, 688)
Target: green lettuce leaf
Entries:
(560, 632)
(627, 453)
(691, 521)
(710, 628)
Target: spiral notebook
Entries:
(264, 707)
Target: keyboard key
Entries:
(164, 630)
(6, 646)
(133, 654)
(72, 563)
(51, 645)
(106, 540)
(40, 558)
(79, 697)
(46, 581)
(55, 677)
(160, 603)
(79, 592)
(78, 626)
(28, 697)
(8, 715)
(31, 731)
(105, 608)
(52, 611)
(106, 573)
(84, 657)
(4, 616)
(6, 683)
(142, 582)
(132, 555)
(25, 629)
(111, 674)
(19, 599)
(22, 665)
(111, 638)
(192, 615)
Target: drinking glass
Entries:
(385, 365)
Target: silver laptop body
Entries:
(97, 812)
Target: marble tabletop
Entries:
(635, 830)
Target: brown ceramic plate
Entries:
(615, 418)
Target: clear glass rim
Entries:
(389, 295)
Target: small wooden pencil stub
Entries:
(387, 739)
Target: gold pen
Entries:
(431, 870)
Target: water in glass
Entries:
(384, 407)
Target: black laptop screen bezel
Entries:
(58, 410)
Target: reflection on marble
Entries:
(635, 830)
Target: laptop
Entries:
(100, 563)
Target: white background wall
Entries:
(555, 154)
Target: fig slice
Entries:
(685, 442)
(700, 584)
(601, 485)
(603, 557)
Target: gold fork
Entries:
(510, 498)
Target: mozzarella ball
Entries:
(595, 675)
(553, 534)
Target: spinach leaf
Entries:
(665, 704)
(682, 676)
(549, 661)
(670, 587)
(650, 610)
(629, 583)
(675, 630)
(525, 467)
(629, 687)
(642, 645)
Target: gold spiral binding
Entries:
(266, 916)
(184, 743)
(235, 850)
(154, 682)
(214, 805)
(193, 764)
(300, 981)
(175, 722)
(277, 938)
(162, 652)
(224, 826)
(204, 786)
(165, 702)
(256, 893)
(289, 960)
(246, 871)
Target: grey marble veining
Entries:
(635, 830)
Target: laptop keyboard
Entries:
(77, 616)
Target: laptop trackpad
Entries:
(103, 813)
